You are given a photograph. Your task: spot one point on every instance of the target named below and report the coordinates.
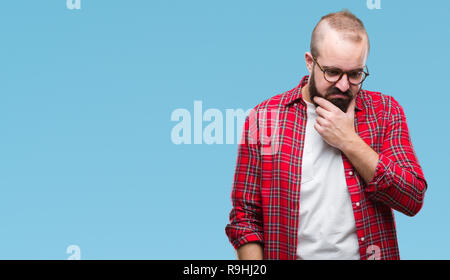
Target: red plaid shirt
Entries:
(266, 187)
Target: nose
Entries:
(343, 84)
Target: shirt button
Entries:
(350, 173)
(362, 239)
(357, 204)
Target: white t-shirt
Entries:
(326, 222)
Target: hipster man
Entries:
(341, 162)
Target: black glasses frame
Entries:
(342, 74)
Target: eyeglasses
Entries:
(333, 75)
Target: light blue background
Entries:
(86, 96)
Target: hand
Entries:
(336, 127)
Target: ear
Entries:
(309, 62)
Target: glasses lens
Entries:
(332, 75)
(356, 77)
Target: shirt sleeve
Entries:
(399, 181)
(246, 215)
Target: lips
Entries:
(335, 93)
(338, 95)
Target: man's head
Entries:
(338, 42)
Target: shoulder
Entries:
(273, 102)
(278, 101)
(379, 102)
(282, 100)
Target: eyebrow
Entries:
(337, 68)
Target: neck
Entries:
(305, 93)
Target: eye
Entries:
(355, 74)
(333, 72)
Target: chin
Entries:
(341, 103)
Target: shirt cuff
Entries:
(252, 237)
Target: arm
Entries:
(250, 251)
(337, 129)
(394, 176)
(398, 179)
(246, 215)
(362, 157)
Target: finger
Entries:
(318, 128)
(323, 113)
(322, 122)
(327, 105)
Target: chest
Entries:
(285, 145)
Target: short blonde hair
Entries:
(344, 21)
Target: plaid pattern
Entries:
(266, 187)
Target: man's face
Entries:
(337, 52)
(333, 94)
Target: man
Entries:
(340, 163)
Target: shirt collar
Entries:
(295, 95)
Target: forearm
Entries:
(393, 176)
(362, 157)
(387, 181)
(250, 251)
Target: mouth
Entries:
(338, 95)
